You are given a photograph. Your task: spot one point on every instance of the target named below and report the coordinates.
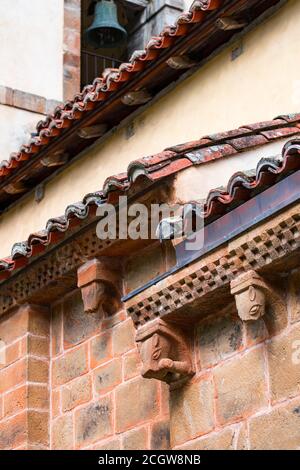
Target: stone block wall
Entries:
(98, 399)
(72, 381)
(24, 374)
(246, 391)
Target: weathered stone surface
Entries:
(222, 440)
(24, 382)
(13, 375)
(277, 430)
(123, 338)
(294, 296)
(76, 393)
(132, 365)
(218, 338)
(135, 440)
(78, 326)
(191, 411)
(38, 319)
(38, 346)
(108, 376)
(101, 349)
(15, 401)
(62, 433)
(31, 396)
(29, 101)
(57, 329)
(241, 386)
(38, 396)
(110, 322)
(12, 353)
(255, 332)
(38, 428)
(6, 95)
(165, 399)
(284, 365)
(242, 437)
(71, 365)
(94, 422)
(13, 432)
(56, 403)
(139, 273)
(111, 444)
(27, 319)
(71, 17)
(276, 319)
(38, 370)
(160, 436)
(136, 402)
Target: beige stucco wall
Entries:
(31, 53)
(15, 128)
(262, 83)
(31, 60)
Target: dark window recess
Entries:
(93, 64)
(128, 23)
(95, 59)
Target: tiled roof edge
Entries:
(103, 86)
(241, 187)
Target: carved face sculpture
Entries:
(152, 350)
(251, 303)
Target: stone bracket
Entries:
(165, 353)
(100, 289)
(253, 295)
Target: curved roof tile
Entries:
(241, 186)
(103, 86)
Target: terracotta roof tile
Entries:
(247, 141)
(277, 122)
(95, 97)
(281, 132)
(110, 81)
(212, 152)
(241, 186)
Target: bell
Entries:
(105, 31)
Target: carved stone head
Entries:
(164, 353)
(152, 351)
(250, 296)
(251, 303)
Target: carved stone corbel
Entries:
(165, 353)
(99, 285)
(253, 295)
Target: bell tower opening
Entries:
(106, 26)
(111, 30)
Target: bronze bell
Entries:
(106, 31)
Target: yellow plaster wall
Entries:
(262, 83)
